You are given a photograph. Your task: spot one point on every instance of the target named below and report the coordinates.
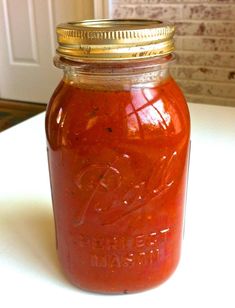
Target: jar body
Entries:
(118, 160)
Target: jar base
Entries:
(140, 286)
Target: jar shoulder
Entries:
(139, 113)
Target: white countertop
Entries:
(30, 275)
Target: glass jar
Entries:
(118, 132)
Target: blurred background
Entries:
(205, 43)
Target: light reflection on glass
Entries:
(159, 105)
(59, 116)
(149, 111)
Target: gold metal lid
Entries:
(112, 40)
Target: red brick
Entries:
(204, 73)
(138, 2)
(213, 28)
(146, 11)
(217, 89)
(209, 12)
(204, 59)
(204, 40)
(207, 44)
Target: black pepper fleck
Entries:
(94, 111)
(109, 129)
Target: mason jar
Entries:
(118, 131)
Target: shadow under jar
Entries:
(118, 132)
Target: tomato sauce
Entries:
(118, 166)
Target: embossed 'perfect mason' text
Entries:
(130, 259)
(122, 251)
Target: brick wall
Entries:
(205, 43)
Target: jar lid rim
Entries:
(115, 39)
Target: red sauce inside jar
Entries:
(118, 167)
